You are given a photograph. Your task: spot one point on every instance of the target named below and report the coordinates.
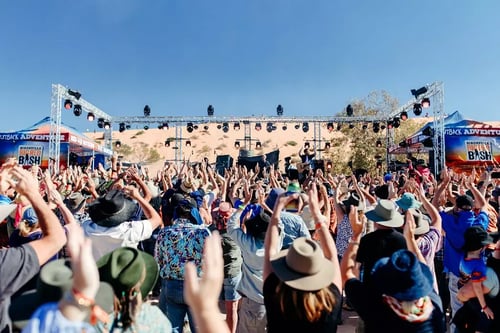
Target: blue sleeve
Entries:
(482, 219)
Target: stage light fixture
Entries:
(167, 143)
(329, 126)
(195, 126)
(68, 104)
(297, 126)
(339, 126)
(225, 127)
(236, 126)
(236, 144)
(269, 127)
(378, 143)
(258, 145)
(305, 127)
(188, 143)
(418, 92)
(426, 103)
(147, 111)
(396, 122)
(107, 125)
(284, 127)
(307, 145)
(165, 126)
(90, 116)
(121, 127)
(365, 126)
(77, 110)
(127, 126)
(258, 126)
(279, 110)
(210, 110)
(118, 144)
(351, 125)
(349, 110)
(75, 94)
(329, 165)
(382, 126)
(100, 122)
(403, 115)
(327, 145)
(160, 126)
(189, 127)
(403, 144)
(390, 125)
(417, 109)
(205, 127)
(219, 126)
(376, 127)
(379, 164)
(146, 127)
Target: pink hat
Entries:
(224, 208)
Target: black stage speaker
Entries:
(223, 162)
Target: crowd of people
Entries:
(87, 249)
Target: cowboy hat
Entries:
(408, 201)
(353, 200)
(75, 202)
(402, 276)
(422, 224)
(186, 186)
(111, 209)
(303, 266)
(385, 214)
(224, 209)
(124, 267)
(55, 278)
(475, 238)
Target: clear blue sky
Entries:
(244, 56)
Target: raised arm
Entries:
(348, 264)
(54, 237)
(150, 213)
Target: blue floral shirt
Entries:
(177, 244)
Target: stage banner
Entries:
(28, 153)
(472, 147)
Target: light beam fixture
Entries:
(426, 103)
(68, 104)
(279, 110)
(77, 110)
(210, 110)
(90, 116)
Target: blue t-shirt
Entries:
(455, 225)
(472, 269)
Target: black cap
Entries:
(476, 237)
(464, 202)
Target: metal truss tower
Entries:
(60, 93)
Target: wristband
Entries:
(86, 303)
(318, 225)
(484, 308)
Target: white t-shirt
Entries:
(105, 240)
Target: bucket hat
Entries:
(111, 209)
(402, 276)
(303, 266)
(408, 201)
(124, 267)
(385, 214)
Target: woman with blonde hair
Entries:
(301, 284)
